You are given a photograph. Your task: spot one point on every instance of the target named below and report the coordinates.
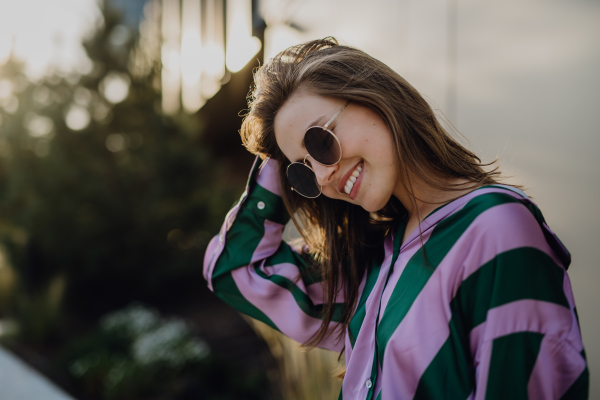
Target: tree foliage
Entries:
(121, 206)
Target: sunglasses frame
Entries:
(304, 164)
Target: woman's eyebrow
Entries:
(314, 123)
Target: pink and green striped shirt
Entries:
(490, 315)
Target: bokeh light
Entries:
(38, 125)
(77, 117)
(115, 87)
(115, 142)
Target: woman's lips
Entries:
(347, 175)
(354, 190)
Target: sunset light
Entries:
(46, 35)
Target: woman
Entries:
(433, 280)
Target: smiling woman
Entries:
(432, 278)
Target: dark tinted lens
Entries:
(303, 180)
(322, 146)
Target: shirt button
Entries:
(260, 205)
(369, 384)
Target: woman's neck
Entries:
(426, 198)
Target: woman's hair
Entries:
(344, 239)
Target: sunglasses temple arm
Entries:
(326, 126)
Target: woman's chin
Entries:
(372, 206)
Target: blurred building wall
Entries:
(517, 78)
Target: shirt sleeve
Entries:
(528, 344)
(252, 269)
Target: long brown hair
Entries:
(343, 238)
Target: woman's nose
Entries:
(324, 173)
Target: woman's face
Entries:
(367, 148)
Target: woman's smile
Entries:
(351, 181)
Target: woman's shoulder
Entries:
(506, 204)
(500, 216)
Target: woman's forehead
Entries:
(301, 111)
(298, 113)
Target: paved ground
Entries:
(18, 381)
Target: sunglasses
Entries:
(323, 147)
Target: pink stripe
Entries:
(268, 177)
(524, 316)
(456, 205)
(281, 307)
(417, 341)
(270, 241)
(315, 292)
(575, 334)
(216, 246)
(291, 272)
(453, 207)
(268, 246)
(208, 255)
(273, 300)
(557, 366)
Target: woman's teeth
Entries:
(352, 179)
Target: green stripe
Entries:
(240, 243)
(513, 358)
(450, 375)
(285, 254)
(226, 289)
(361, 308)
(245, 234)
(502, 187)
(507, 278)
(580, 389)
(273, 210)
(504, 279)
(417, 271)
(302, 299)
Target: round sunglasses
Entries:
(323, 147)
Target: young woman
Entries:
(432, 278)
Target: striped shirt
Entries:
(490, 314)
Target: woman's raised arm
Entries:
(252, 269)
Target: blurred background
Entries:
(120, 155)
